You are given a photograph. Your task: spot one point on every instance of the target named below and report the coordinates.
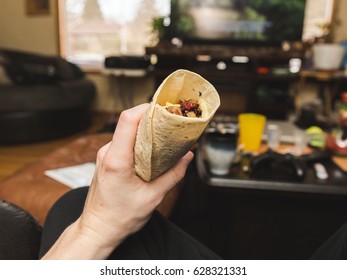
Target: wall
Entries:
(23, 32)
(112, 89)
(340, 32)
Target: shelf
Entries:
(225, 51)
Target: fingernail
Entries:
(189, 157)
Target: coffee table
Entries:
(336, 184)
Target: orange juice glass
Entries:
(251, 128)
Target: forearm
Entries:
(76, 243)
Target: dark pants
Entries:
(335, 248)
(158, 240)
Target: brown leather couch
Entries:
(20, 234)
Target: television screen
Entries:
(243, 21)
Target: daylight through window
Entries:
(90, 30)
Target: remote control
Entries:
(320, 171)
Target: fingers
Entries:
(174, 175)
(123, 140)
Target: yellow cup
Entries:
(251, 127)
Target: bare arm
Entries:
(119, 202)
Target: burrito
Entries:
(180, 110)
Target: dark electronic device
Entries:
(127, 62)
(278, 167)
(237, 22)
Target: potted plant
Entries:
(327, 55)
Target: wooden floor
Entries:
(13, 158)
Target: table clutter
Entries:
(288, 158)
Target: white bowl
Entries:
(327, 56)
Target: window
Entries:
(318, 16)
(90, 30)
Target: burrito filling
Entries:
(189, 108)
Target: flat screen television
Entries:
(239, 22)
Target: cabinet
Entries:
(253, 79)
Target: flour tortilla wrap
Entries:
(162, 137)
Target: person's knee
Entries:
(68, 206)
(64, 212)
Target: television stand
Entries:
(223, 51)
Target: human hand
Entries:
(119, 202)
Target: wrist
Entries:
(100, 238)
(79, 242)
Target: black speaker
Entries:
(127, 62)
